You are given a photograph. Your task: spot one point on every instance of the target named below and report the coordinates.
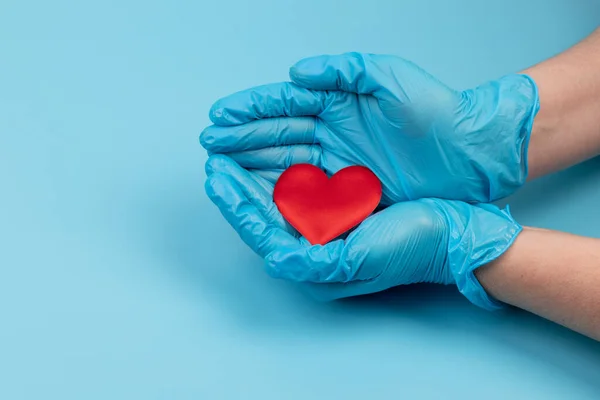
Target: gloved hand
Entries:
(420, 137)
(428, 240)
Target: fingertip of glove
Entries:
(325, 72)
(206, 138)
(214, 186)
(297, 69)
(209, 186)
(218, 114)
(215, 163)
(293, 72)
(304, 71)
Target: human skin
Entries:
(554, 274)
(566, 130)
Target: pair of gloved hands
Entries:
(440, 154)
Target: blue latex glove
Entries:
(428, 240)
(420, 137)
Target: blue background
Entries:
(119, 279)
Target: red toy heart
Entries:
(322, 208)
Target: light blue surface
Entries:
(118, 278)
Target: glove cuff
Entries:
(486, 234)
(503, 116)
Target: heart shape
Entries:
(323, 208)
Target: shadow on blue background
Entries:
(236, 286)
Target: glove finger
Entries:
(269, 175)
(245, 217)
(306, 263)
(247, 179)
(349, 72)
(259, 134)
(281, 157)
(258, 190)
(275, 100)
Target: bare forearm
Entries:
(566, 130)
(551, 274)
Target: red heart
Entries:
(320, 208)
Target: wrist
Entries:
(565, 131)
(479, 235)
(493, 276)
